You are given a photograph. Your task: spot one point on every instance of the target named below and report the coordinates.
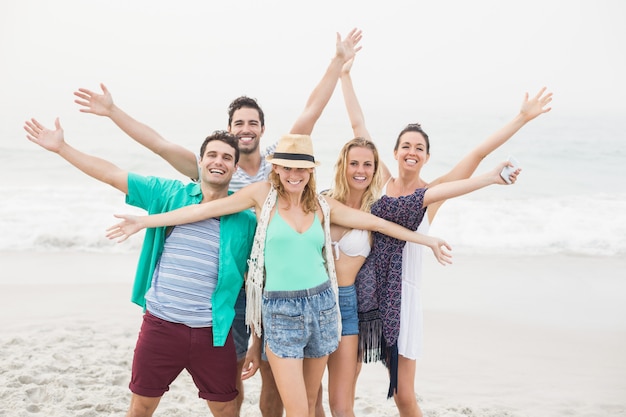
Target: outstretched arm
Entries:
(531, 108)
(53, 141)
(250, 196)
(183, 160)
(355, 113)
(443, 191)
(357, 219)
(346, 50)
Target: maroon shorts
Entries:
(164, 349)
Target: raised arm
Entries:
(357, 219)
(183, 160)
(355, 113)
(250, 196)
(530, 109)
(346, 50)
(98, 168)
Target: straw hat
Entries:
(294, 151)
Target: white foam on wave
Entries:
(564, 224)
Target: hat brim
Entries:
(292, 163)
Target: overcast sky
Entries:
(182, 62)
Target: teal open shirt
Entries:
(159, 195)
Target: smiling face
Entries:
(411, 152)
(360, 167)
(293, 180)
(246, 125)
(217, 163)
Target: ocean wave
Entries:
(565, 224)
(590, 225)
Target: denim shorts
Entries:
(240, 332)
(348, 308)
(301, 324)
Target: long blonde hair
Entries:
(340, 188)
(309, 196)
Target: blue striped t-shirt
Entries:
(241, 178)
(186, 275)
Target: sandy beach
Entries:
(505, 337)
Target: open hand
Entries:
(536, 105)
(100, 104)
(126, 228)
(51, 140)
(347, 48)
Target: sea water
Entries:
(570, 197)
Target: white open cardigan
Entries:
(256, 264)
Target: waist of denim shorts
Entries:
(298, 293)
(347, 291)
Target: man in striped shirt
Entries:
(188, 277)
(246, 121)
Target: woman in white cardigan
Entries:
(292, 216)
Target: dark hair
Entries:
(224, 136)
(241, 102)
(413, 127)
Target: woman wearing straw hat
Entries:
(292, 285)
(247, 121)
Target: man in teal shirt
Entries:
(187, 279)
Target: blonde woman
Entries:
(357, 184)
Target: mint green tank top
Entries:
(293, 261)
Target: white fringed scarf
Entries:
(256, 264)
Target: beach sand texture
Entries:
(505, 336)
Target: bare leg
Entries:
(405, 397)
(319, 403)
(295, 379)
(240, 396)
(224, 409)
(269, 402)
(313, 372)
(141, 406)
(342, 374)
